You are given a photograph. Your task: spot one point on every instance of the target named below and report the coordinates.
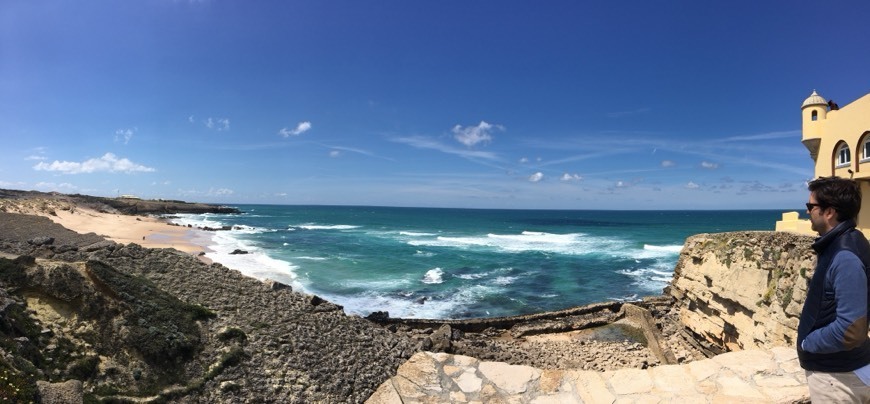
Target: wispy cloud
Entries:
(107, 163)
(124, 135)
(708, 165)
(692, 185)
(301, 128)
(7, 184)
(472, 135)
(211, 192)
(38, 154)
(218, 124)
(764, 136)
(336, 152)
(571, 177)
(668, 163)
(420, 142)
(536, 177)
(50, 186)
(620, 114)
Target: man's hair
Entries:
(842, 194)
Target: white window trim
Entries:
(865, 151)
(845, 163)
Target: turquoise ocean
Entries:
(462, 263)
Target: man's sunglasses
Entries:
(810, 206)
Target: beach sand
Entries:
(146, 231)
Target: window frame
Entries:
(839, 156)
(865, 150)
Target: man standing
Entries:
(832, 342)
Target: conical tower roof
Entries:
(814, 99)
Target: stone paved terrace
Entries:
(736, 377)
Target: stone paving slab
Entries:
(753, 376)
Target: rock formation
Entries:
(158, 325)
(743, 290)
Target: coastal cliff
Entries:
(15, 200)
(96, 320)
(742, 290)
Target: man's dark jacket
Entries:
(820, 308)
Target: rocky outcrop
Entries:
(157, 325)
(743, 290)
(47, 202)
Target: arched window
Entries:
(815, 115)
(844, 156)
(865, 147)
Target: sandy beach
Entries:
(147, 231)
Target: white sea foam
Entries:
(649, 252)
(470, 277)
(568, 244)
(504, 280)
(433, 276)
(672, 249)
(416, 234)
(313, 226)
(255, 263)
(415, 305)
(419, 253)
(311, 258)
(653, 278)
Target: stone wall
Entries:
(743, 290)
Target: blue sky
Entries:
(481, 104)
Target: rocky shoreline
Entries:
(132, 324)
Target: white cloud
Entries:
(190, 119)
(668, 163)
(524, 160)
(107, 163)
(708, 165)
(35, 157)
(622, 184)
(301, 128)
(571, 177)
(692, 185)
(473, 135)
(334, 153)
(6, 184)
(124, 134)
(425, 143)
(50, 186)
(536, 177)
(765, 136)
(219, 124)
(220, 192)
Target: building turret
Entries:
(814, 111)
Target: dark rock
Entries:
(441, 339)
(238, 251)
(315, 300)
(43, 240)
(64, 248)
(99, 246)
(275, 285)
(378, 316)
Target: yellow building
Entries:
(839, 143)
